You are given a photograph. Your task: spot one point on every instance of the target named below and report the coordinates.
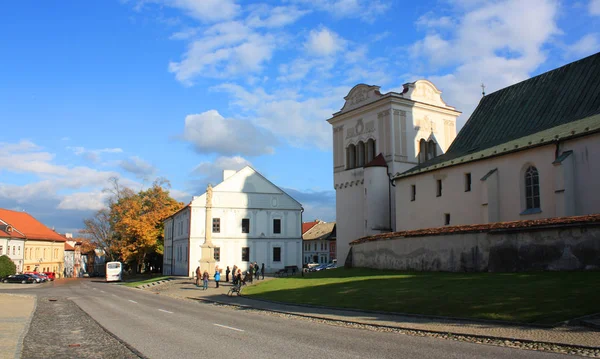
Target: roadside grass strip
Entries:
(543, 298)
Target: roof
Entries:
(308, 225)
(29, 226)
(378, 161)
(593, 219)
(558, 97)
(8, 231)
(69, 247)
(320, 231)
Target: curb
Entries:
(152, 284)
(397, 327)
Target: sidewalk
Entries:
(577, 336)
(14, 323)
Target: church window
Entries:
(446, 219)
(431, 149)
(245, 225)
(217, 254)
(427, 150)
(276, 225)
(532, 188)
(467, 182)
(216, 225)
(245, 254)
(439, 188)
(422, 151)
(351, 157)
(370, 150)
(413, 192)
(276, 254)
(360, 154)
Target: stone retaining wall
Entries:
(554, 247)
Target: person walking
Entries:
(262, 271)
(205, 280)
(227, 271)
(198, 276)
(238, 277)
(256, 271)
(217, 276)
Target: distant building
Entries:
(319, 242)
(12, 244)
(251, 220)
(44, 248)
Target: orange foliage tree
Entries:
(136, 219)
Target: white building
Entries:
(12, 244)
(528, 151)
(319, 243)
(405, 128)
(252, 221)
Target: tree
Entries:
(137, 221)
(98, 228)
(7, 266)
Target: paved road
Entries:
(162, 327)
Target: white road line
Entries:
(103, 291)
(224, 326)
(95, 288)
(132, 301)
(166, 311)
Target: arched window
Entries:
(350, 157)
(370, 150)
(431, 149)
(360, 154)
(422, 150)
(532, 188)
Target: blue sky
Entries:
(183, 89)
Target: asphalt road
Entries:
(163, 327)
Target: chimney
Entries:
(228, 173)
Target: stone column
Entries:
(207, 259)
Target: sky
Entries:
(184, 89)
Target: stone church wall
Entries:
(562, 247)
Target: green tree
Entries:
(7, 266)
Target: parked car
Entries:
(37, 278)
(51, 275)
(331, 266)
(19, 278)
(43, 276)
(318, 268)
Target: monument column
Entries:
(207, 259)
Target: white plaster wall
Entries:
(18, 257)
(467, 207)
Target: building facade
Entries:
(529, 151)
(251, 220)
(319, 243)
(406, 129)
(12, 244)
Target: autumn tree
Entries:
(137, 219)
(99, 229)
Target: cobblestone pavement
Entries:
(564, 339)
(59, 329)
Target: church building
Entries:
(528, 151)
(242, 220)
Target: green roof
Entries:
(555, 98)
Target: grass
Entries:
(532, 297)
(128, 283)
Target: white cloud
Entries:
(84, 201)
(366, 10)
(272, 17)
(93, 155)
(594, 7)
(206, 10)
(224, 50)
(185, 34)
(212, 172)
(324, 42)
(210, 132)
(496, 43)
(138, 167)
(430, 20)
(587, 45)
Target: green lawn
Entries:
(138, 281)
(533, 297)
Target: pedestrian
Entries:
(227, 271)
(256, 271)
(198, 276)
(262, 271)
(217, 276)
(238, 277)
(205, 280)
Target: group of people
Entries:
(236, 275)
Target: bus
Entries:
(113, 271)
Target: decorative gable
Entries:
(424, 91)
(360, 95)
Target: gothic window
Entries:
(532, 188)
(360, 154)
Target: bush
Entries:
(7, 267)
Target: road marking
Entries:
(132, 301)
(103, 291)
(224, 326)
(114, 295)
(95, 288)
(166, 311)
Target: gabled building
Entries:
(528, 151)
(44, 248)
(319, 243)
(242, 220)
(12, 244)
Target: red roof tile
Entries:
(29, 226)
(308, 225)
(488, 227)
(378, 161)
(69, 247)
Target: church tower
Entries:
(374, 137)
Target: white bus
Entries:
(113, 271)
